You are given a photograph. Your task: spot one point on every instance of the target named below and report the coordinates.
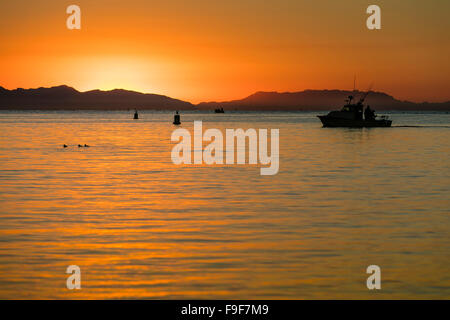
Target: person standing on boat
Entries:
(369, 114)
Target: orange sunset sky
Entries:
(202, 50)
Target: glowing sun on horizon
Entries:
(116, 73)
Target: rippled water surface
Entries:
(141, 227)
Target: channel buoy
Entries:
(176, 119)
(136, 115)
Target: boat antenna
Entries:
(366, 93)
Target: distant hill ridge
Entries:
(67, 98)
(319, 100)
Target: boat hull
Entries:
(328, 121)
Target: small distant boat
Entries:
(219, 110)
(351, 116)
(176, 119)
(136, 115)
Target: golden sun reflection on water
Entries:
(140, 227)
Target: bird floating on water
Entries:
(79, 146)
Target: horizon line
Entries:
(215, 101)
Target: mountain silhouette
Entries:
(310, 100)
(67, 98)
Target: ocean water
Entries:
(140, 227)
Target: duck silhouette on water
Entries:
(79, 146)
